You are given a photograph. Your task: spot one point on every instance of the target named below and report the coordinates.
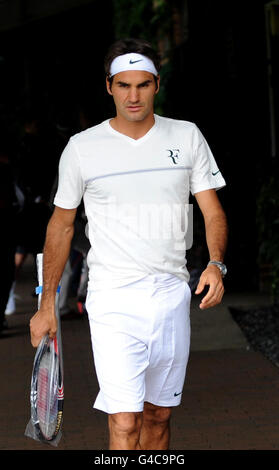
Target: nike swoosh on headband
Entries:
(132, 61)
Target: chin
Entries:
(134, 117)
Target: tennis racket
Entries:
(47, 389)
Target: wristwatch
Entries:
(220, 265)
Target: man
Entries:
(138, 301)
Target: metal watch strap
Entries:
(220, 265)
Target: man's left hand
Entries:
(211, 277)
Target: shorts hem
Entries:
(134, 409)
(119, 409)
(162, 403)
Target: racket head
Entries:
(47, 390)
(47, 394)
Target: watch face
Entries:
(223, 269)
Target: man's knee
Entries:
(156, 415)
(125, 423)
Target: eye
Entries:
(144, 85)
(123, 85)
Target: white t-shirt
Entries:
(136, 196)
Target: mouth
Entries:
(134, 109)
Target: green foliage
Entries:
(268, 230)
(141, 19)
(161, 97)
(132, 18)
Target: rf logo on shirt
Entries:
(174, 154)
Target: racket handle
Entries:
(39, 260)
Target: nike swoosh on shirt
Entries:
(213, 174)
(135, 61)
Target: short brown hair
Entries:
(127, 45)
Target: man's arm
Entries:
(216, 229)
(59, 235)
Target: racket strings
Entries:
(47, 396)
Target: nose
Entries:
(133, 96)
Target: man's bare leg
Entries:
(124, 431)
(155, 430)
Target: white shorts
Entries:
(140, 339)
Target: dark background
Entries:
(215, 74)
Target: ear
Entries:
(108, 85)
(158, 85)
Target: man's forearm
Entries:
(217, 236)
(56, 253)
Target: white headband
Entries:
(132, 61)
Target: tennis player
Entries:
(135, 172)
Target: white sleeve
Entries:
(70, 182)
(205, 173)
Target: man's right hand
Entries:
(42, 323)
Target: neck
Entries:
(133, 129)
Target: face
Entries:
(133, 93)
